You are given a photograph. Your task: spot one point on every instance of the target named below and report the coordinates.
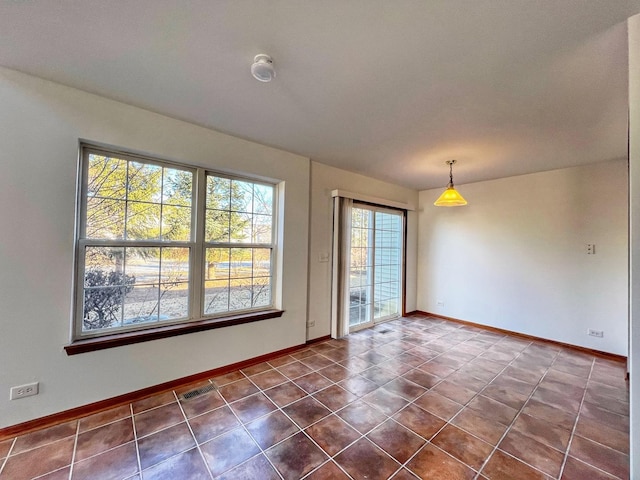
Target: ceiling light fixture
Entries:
(450, 197)
(262, 68)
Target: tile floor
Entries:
(415, 397)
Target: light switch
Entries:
(323, 257)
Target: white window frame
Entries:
(196, 244)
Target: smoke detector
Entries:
(262, 68)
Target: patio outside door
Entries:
(375, 266)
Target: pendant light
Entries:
(450, 197)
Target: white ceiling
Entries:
(388, 88)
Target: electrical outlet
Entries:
(440, 303)
(22, 391)
(591, 248)
(595, 333)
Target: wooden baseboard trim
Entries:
(609, 356)
(96, 407)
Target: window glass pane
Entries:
(174, 267)
(263, 199)
(144, 182)
(217, 263)
(241, 196)
(241, 263)
(105, 219)
(143, 221)
(262, 229)
(218, 193)
(261, 292)
(240, 292)
(107, 177)
(141, 304)
(174, 300)
(261, 262)
(217, 226)
(143, 264)
(177, 186)
(176, 223)
(240, 228)
(216, 296)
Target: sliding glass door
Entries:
(375, 265)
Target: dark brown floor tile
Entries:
(420, 421)
(5, 446)
(335, 397)
(620, 407)
(385, 401)
(227, 378)
(268, 379)
(422, 378)
(316, 362)
(601, 433)
(477, 372)
(513, 384)
(378, 375)
(252, 407)
(332, 434)
(121, 462)
(363, 460)
(479, 425)
(237, 390)
(550, 413)
(328, 471)
(322, 348)
(285, 394)
(466, 448)
(151, 421)
(436, 369)
(358, 385)
(201, 404)
(104, 438)
(255, 468)
(213, 423)
(613, 420)
(228, 451)
(566, 378)
(526, 373)
(488, 365)
(294, 370)
(396, 366)
(355, 364)
(187, 465)
(296, 456)
(255, 369)
(438, 405)
(493, 410)
(164, 444)
(409, 359)
(404, 474)
(312, 382)
(604, 458)
(568, 390)
(335, 372)
(40, 460)
(42, 437)
(573, 369)
(467, 381)
(102, 418)
(577, 470)
(542, 431)
(396, 440)
(505, 396)
(62, 474)
(556, 399)
(534, 453)
(306, 411)
(271, 429)
(455, 392)
(337, 354)
(373, 357)
(280, 361)
(431, 462)
(303, 354)
(405, 388)
(504, 467)
(621, 394)
(362, 416)
(153, 402)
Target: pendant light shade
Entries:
(450, 197)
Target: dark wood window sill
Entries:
(128, 338)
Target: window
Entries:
(163, 244)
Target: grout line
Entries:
(135, 438)
(186, 421)
(73, 453)
(6, 459)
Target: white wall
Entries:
(324, 179)
(634, 185)
(515, 257)
(40, 125)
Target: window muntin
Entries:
(138, 244)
